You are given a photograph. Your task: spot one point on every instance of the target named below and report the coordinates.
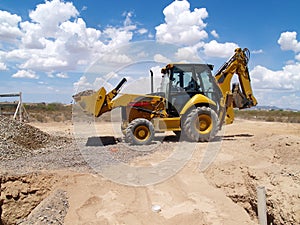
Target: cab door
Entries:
(183, 85)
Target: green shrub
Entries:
(269, 116)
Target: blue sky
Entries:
(47, 47)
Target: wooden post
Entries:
(261, 205)
(17, 110)
(20, 109)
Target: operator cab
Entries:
(182, 81)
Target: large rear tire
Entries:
(139, 132)
(201, 124)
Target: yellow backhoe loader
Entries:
(191, 101)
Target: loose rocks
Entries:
(51, 210)
(20, 139)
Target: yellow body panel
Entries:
(195, 100)
(166, 124)
(124, 99)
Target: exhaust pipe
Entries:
(120, 84)
(151, 80)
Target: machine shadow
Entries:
(101, 141)
(233, 137)
(111, 140)
(175, 138)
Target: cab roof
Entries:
(171, 65)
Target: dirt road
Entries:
(250, 154)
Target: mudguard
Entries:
(197, 99)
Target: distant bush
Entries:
(58, 112)
(47, 112)
(269, 116)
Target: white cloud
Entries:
(17, 54)
(214, 34)
(3, 66)
(188, 54)
(150, 35)
(186, 27)
(142, 54)
(142, 31)
(161, 58)
(260, 51)
(82, 84)
(25, 74)
(50, 74)
(287, 100)
(111, 75)
(281, 87)
(101, 82)
(44, 63)
(156, 71)
(84, 8)
(62, 75)
(118, 36)
(288, 41)
(220, 50)
(286, 79)
(51, 14)
(55, 39)
(127, 21)
(116, 58)
(9, 29)
(279, 98)
(182, 26)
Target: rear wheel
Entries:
(139, 132)
(201, 124)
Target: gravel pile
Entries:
(20, 139)
(83, 93)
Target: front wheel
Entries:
(139, 132)
(201, 124)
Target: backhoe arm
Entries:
(236, 98)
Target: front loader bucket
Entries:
(97, 103)
(91, 103)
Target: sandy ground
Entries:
(249, 154)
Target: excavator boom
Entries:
(236, 97)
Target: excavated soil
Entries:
(45, 179)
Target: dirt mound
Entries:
(20, 194)
(240, 183)
(287, 150)
(51, 210)
(20, 139)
